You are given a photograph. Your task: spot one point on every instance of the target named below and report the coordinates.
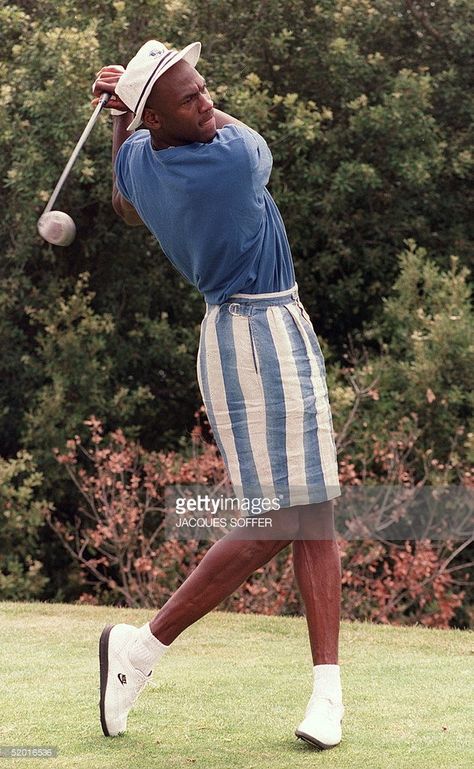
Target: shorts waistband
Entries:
(273, 295)
(250, 304)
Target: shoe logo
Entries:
(122, 678)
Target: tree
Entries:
(366, 108)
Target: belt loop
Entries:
(234, 306)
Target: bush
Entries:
(21, 515)
(410, 389)
(364, 106)
(125, 556)
(118, 541)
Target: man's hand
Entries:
(106, 81)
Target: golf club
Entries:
(56, 227)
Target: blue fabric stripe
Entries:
(312, 457)
(236, 405)
(270, 374)
(206, 393)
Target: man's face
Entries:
(179, 109)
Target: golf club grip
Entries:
(102, 102)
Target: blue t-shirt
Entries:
(207, 205)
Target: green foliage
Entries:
(52, 378)
(430, 322)
(70, 353)
(366, 107)
(21, 515)
(421, 394)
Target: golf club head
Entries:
(57, 228)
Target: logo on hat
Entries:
(157, 51)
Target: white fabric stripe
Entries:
(265, 296)
(218, 399)
(294, 405)
(325, 432)
(254, 398)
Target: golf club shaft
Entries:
(102, 102)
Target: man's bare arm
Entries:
(121, 205)
(107, 79)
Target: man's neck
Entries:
(158, 144)
(162, 143)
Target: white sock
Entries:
(327, 682)
(146, 650)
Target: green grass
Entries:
(230, 692)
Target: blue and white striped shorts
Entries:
(263, 383)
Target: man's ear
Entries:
(150, 119)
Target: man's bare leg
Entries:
(127, 654)
(317, 567)
(222, 570)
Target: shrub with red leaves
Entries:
(119, 540)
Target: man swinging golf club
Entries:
(196, 178)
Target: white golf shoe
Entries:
(120, 682)
(321, 725)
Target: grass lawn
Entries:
(230, 692)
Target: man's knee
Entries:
(281, 525)
(317, 521)
(285, 524)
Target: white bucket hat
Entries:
(152, 60)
